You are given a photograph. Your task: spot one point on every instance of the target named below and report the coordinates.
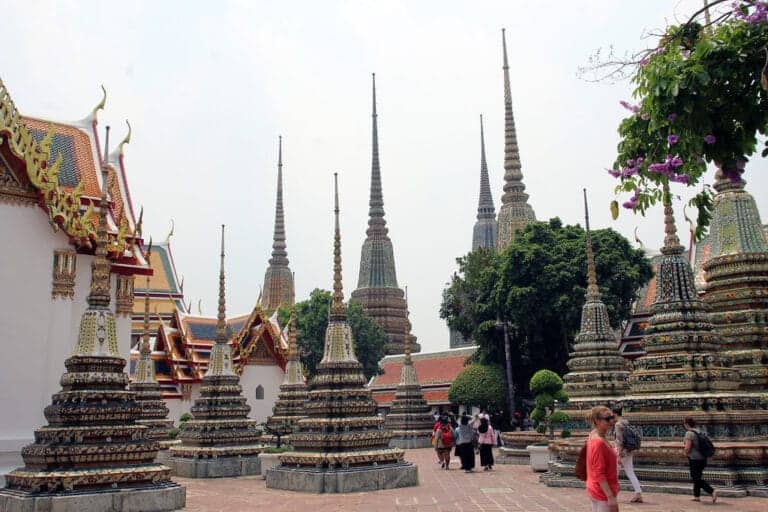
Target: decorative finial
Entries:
(100, 105)
(170, 233)
(200, 307)
(485, 208)
(99, 295)
(181, 284)
(279, 253)
(592, 289)
(221, 321)
(377, 226)
(126, 140)
(139, 224)
(407, 331)
(671, 241)
(338, 312)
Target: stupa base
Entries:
(410, 443)
(219, 467)
(514, 456)
(160, 498)
(354, 479)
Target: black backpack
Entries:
(632, 438)
(705, 446)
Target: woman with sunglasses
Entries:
(602, 468)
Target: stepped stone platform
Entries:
(215, 467)
(340, 480)
(515, 444)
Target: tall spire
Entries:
(338, 311)
(377, 289)
(279, 254)
(278, 279)
(671, 241)
(515, 212)
(592, 290)
(221, 319)
(377, 226)
(484, 232)
(220, 362)
(100, 268)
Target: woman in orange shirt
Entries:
(602, 468)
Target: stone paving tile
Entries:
(506, 488)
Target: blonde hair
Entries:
(596, 412)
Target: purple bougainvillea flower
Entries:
(672, 139)
(614, 172)
(661, 168)
(671, 117)
(676, 162)
(709, 139)
(644, 61)
(680, 178)
(741, 164)
(632, 108)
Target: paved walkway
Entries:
(506, 488)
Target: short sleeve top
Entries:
(694, 454)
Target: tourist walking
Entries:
(443, 435)
(697, 454)
(627, 441)
(465, 444)
(602, 467)
(486, 438)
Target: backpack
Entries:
(581, 464)
(632, 438)
(705, 446)
(445, 437)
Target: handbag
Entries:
(581, 464)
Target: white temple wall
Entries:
(36, 331)
(269, 377)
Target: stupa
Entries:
(342, 445)
(377, 290)
(93, 455)
(289, 407)
(219, 440)
(736, 275)
(598, 373)
(514, 213)
(410, 418)
(484, 230)
(278, 278)
(154, 412)
(685, 373)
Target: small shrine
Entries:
(342, 445)
(220, 440)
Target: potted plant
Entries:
(547, 387)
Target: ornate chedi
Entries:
(515, 212)
(278, 279)
(484, 232)
(219, 440)
(341, 446)
(289, 407)
(93, 455)
(377, 289)
(685, 373)
(736, 274)
(410, 417)
(154, 412)
(598, 373)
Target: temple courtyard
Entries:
(507, 487)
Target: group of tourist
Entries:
(602, 459)
(465, 437)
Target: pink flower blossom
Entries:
(709, 138)
(672, 139)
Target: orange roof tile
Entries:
(431, 368)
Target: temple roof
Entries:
(61, 161)
(181, 347)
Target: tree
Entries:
(537, 285)
(547, 388)
(312, 321)
(703, 97)
(480, 385)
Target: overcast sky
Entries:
(209, 86)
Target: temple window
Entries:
(124, 295)
(64, 266)
(259, 392)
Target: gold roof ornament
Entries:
(100, 104)
(126, 140)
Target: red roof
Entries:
(432, 368)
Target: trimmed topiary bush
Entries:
(484, 386)
(547, 386)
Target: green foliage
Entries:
(565, 434)
(184, 418)
(706, 87)
(541, 429)
(548, 388)
(537, 284)
(174, 433)
(479, 385)
(312, 321)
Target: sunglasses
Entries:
(608, 418)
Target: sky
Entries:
(208, 87)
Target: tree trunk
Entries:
(510, 382)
